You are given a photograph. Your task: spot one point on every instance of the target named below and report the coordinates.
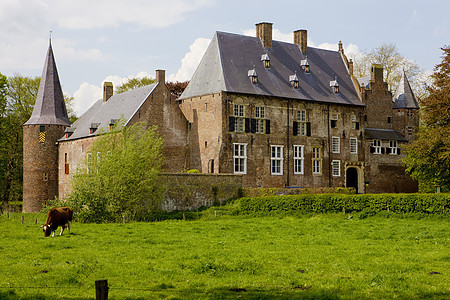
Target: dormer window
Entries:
(293, 79)
(266, 60)
(253, 76)
(111, 123)
(334, 86)
(94, 127)
(68, 132)
(305, 65)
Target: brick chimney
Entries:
(161, 76)
(350, 66)
(300, 38)
(341, 48)
(376, 73)
(108, 91)
(264, 32)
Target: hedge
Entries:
(320, 203)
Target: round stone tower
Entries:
(40, 135)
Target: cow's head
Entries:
(47, 230)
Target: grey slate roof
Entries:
(101, 114)
(49, 108)
(404, 96)
(383, 134)
(229, 57)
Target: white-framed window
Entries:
(336, 167)
(334, 119)
(89, 163)
(99, 160)
(335, 144)
(298, 159)
(410, 130)
(393, 146)
(276, 160)
(301, 119)
(353, 146)
(239, 118)
(316, 160)
(240, 158)
(260, 119)
(353, 121)
(376, 144)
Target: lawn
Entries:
(322, 256)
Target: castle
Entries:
(281, 114)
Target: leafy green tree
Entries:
(177, 88)
(133, 83)
(428, 157)
(120, 176)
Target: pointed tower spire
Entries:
(404, 96)
(49, 108)
(40, 134)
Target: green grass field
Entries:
(324, 256)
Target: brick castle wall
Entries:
(40, 165)
(192, 191)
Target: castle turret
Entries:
(405, 109)
(40, 134)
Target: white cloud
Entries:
(191, 60)
(87, 94)
(25, 25)
(68, 50)
(276, 33)
(87, 14)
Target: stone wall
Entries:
(40, 165)
(192, 191)
(212, 139)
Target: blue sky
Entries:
(110, 40)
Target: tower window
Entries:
(42, 134)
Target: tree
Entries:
(120, 176)
(133, 83)
(428, 157)
(177, 88)
(393, 63)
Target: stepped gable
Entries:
(49, 108)
(104, 113)
(229, 57)
(404, 96)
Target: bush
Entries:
(366, 203)
(119, 178)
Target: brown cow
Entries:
(58, 216)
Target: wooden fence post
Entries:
(101, 289)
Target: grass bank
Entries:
(321, 256)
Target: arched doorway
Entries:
(351, 178)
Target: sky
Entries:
(112, 40)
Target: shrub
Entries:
(119, 178)
(365, 203)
